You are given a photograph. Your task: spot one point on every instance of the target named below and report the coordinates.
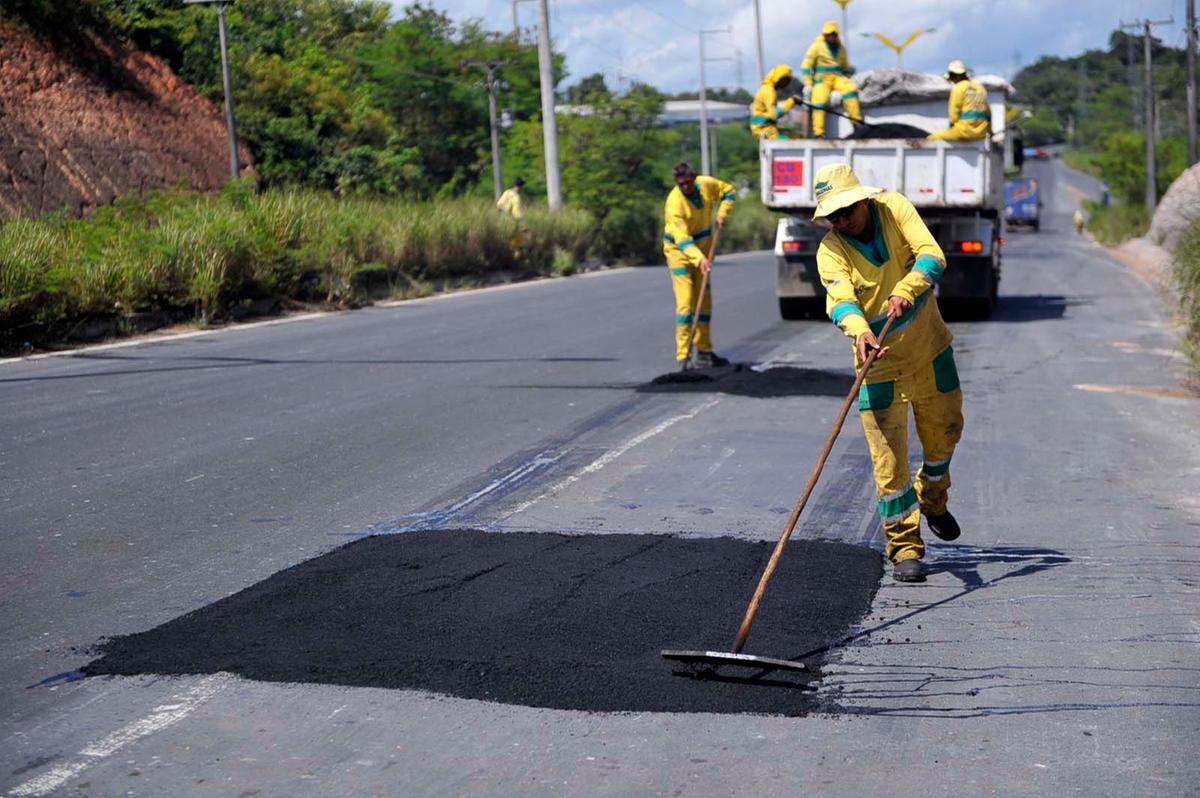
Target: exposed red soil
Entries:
(76, 133)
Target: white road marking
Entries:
(159, 718)
(155, 338)
(517, 473)
(612, 454)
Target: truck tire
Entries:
(797, 308)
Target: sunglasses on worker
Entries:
(841, 213)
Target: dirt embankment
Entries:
(77, 132)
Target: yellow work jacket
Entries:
(903, 260)
(969, 104)
(689, 220)
(820, 62)
(510, 202)
(766, 110)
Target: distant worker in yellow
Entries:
(510, 203)
(970, 114)
(693, 208)
(767, 110)
(1079, 221)
(510, 200)
(826, 69)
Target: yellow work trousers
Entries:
(772, 132)
(685, 281)
(820, 98)
(963, 130)
(518, 241)
(936, 399)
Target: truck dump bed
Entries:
(933, 174)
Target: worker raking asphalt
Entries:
(537, 619)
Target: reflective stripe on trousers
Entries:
(685, 281)
(936, 399)
(821, 90)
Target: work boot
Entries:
(707, 360)
(908, 571)
(944, 525)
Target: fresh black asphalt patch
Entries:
(741, 380)
(545, 620)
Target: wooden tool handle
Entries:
(700, 297)
(748, 621)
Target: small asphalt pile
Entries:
(545, 620)
(741, 380)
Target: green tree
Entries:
(615, 165)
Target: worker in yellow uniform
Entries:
(878, 262)
(510, 203)
(970, 114)
(826, 69)
(767, 110)
(693, 207)
(1080, 221)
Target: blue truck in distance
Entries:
(1021, 203)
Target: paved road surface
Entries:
(1055, 649)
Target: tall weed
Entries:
(1187, 276)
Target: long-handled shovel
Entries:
(736, 657)
(712, 257)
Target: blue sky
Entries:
(655, 41)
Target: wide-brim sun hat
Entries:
(955, 68)
(837, 187)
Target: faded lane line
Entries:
(161, 717)
(612, 454)
(153, 338)
(1138, 390)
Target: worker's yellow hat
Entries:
(830, 27)
(837, 187)
(956, 68)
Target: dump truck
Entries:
(957, 187)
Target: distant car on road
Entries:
(1037, 153)
(1021, 204)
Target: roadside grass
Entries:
(1187, 275)
(751, 226)
(1115, 223)
(187, 256)
(202, 256)
(1082, 160)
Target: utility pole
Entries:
(715, 160)
(1191, 80)
(227, 80)
(704, 160)
(549, 121)
(762, 69)
(517, 20)
(1148, 102)
(1132, 74)
(845, 27)
(493, 122)
(1081, 101)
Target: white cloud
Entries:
(655, 41)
